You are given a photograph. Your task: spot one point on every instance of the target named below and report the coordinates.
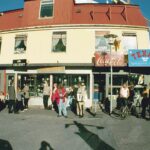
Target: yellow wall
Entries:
(80, 44)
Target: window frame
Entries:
(17, 38)
(46, 17)
(53, 37)
(101, 34)
(129, 34)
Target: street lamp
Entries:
(111, 38)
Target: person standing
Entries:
(12, 98)
(145, 101)
(26, 96)
(19, 103)
(81, 98)
(60, 95)
(46, 93)
(124, 94)
(2, 101)
(53, 98)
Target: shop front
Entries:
(35, 79)
(122, 73)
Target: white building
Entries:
(58, 42)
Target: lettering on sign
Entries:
(105, 59)
(19, 62)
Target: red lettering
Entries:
(107, 60)
(134, 56)
(138, 54)
(144, 53)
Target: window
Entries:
(129, 41)
(20, 44)
(101, 43)
(59, 42)
(0, 44)
(46, 8)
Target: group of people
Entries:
(127, 94)
(15, 101)
(58, 98)
(62, 97)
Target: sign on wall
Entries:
(105, 59)
(139, 58)
(19, 62)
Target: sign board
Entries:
(139, 58)
(105, 59)
(19, 63)
(52, 70)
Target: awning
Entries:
(51, 70)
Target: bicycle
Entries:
(125, 111)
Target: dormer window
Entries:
(47, 7)
(20, 44)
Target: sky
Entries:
(17, 4)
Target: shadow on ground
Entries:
(5, 145)
(90, 138)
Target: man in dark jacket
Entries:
(12, 98)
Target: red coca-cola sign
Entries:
(105, 59)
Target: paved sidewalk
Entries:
(38, 129)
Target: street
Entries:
(39, 129)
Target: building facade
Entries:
(47, 40)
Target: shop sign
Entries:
(19, 62)
(139, 58)
(105, 59)
(52, 70)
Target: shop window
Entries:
(46, 9)
(119, 79)
(34, 81)
(59, 42)
(73, 80)
(0, 44)
(20, 44)
(129, 42)
(101, 43)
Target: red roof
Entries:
(72, 13)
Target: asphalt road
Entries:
(38, 129)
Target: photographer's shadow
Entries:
(91, 138)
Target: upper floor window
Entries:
(20, 44)
(101, 43)
(129, 41)
(47, 7)
(0, 44)
(59, 42)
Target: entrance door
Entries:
(99, 85)
(9, 78)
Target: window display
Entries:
(36, 81)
